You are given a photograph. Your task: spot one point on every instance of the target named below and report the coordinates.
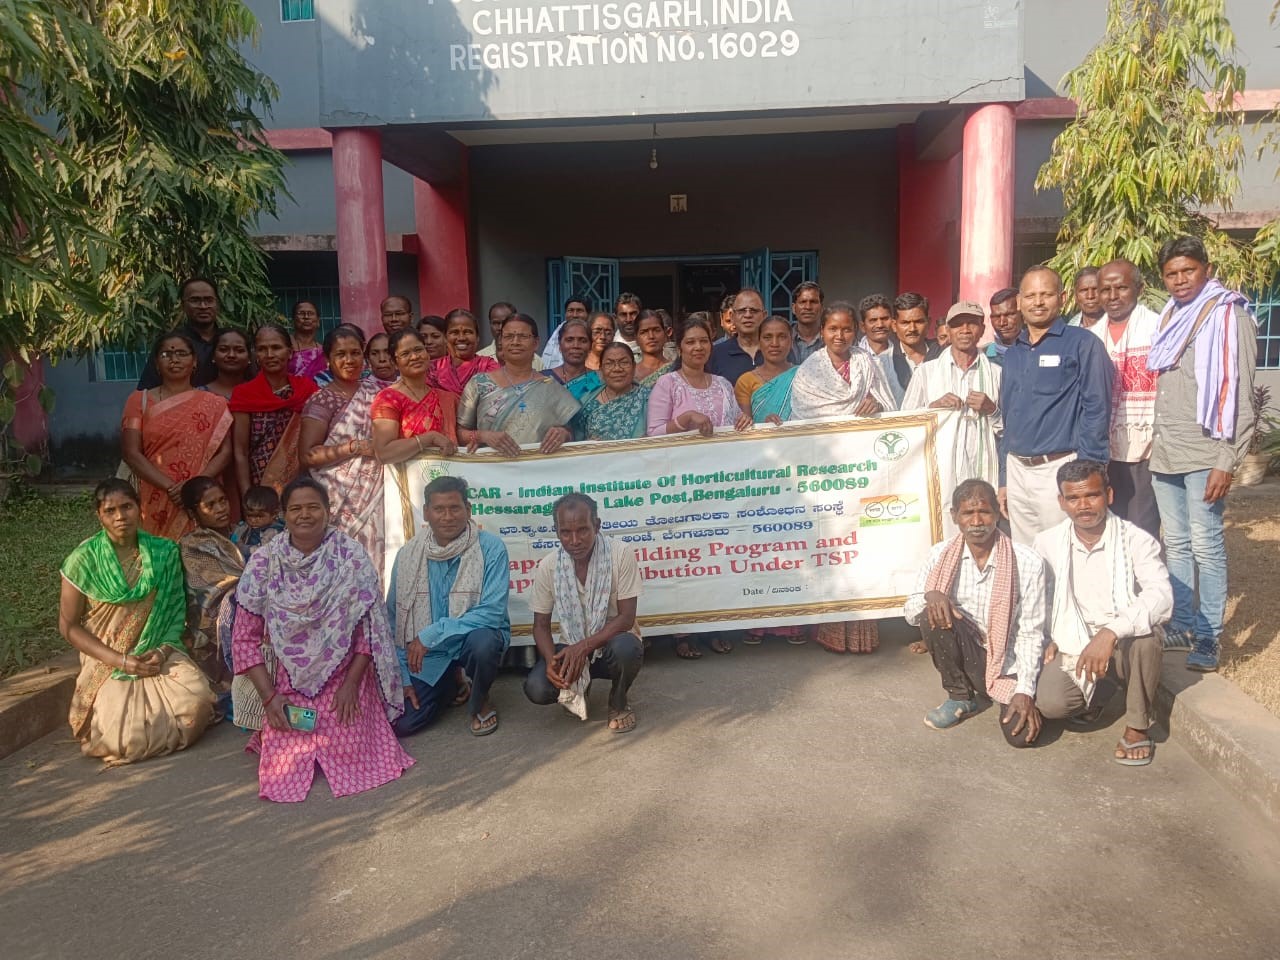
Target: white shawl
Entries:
(1067, 625)
(413, 580)
(576, 622)
(818, 390)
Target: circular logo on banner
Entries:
(891, 445)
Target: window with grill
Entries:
(294, 10)
(1266, 305)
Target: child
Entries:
(261, 520)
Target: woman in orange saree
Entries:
(171, 433)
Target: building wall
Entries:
(834, 192)
(310, 206)
(84, 428)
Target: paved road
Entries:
(775, 803)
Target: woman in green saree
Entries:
(515, 404)
(123, 607)
(618, 410)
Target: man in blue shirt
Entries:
(448, 611)
(740, 353)
(1055, 397)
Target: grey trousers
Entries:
(1135, 665)
(619, 662)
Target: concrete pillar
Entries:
(986, 203)
(362, 230)
(928, 201)
(442, 218)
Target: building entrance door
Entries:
(680, 284)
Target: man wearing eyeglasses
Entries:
(397, 313)
(736, 356)
(199, 299)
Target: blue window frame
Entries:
(116, 365)
(294, 10)
(327, 301)
(1266, 305)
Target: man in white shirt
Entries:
(575, 308)
(591, 585)
(1111, 596)
(626, 313)
(962, 378)
(875, 319)
(980, 605)
(498, 314)
(1127, 336)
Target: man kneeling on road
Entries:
(1110, 594)
(592, 585)
(980, 606)
(448, 610)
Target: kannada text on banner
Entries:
(803, 523)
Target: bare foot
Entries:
(919, 647)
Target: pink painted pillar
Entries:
(362, 229)
(31, 423)
(442, 217)
(986, 203)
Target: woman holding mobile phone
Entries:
(312, 602)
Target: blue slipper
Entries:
(950, 712)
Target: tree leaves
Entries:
(131, 156)
(1155, 142)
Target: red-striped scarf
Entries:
(1004, 598)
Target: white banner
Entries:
(801, 523)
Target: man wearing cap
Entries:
(963, 379)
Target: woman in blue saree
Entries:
(765, 392)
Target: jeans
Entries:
(1195, 551)
(480, 658)
(619, 661)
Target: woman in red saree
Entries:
(410, 416)
(451, 372)
(172, 433)
(267, 412)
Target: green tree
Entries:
(1155, 143)
(132, 154)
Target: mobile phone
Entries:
(300, 718)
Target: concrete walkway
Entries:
(775, 803)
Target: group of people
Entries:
(258, 477)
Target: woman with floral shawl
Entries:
(312, 598)
(122, 606)
(267, 412)
(172, 433)
(337, 442)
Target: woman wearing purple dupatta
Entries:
(337, 443)
(311, 601)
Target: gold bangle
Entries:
(418, 438)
